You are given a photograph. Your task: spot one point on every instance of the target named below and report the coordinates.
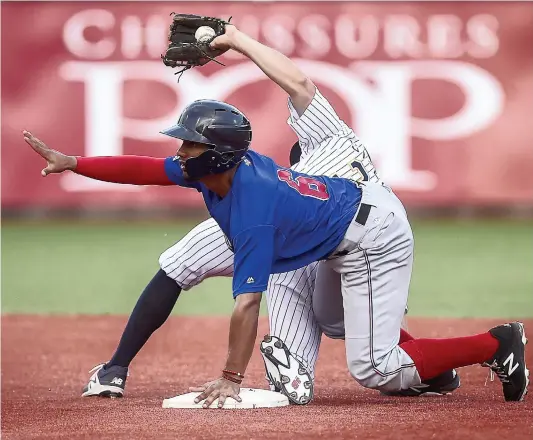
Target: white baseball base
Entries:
(251, 398)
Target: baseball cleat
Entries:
(440, 385)
(509, 362)
(106, 381)
(286, 373)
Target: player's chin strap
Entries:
(210, 162)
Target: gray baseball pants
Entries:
(362, 289)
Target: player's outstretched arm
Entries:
(132, 170)
(242, 335)
(312, 117)
(276, 66)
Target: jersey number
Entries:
(306, 186)
(360, 173)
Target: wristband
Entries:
(239, 375)
(233, 373)
(231, 379)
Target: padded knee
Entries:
(385, 371)
(364, 374)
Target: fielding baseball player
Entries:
(279, 220)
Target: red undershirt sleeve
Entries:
(132, 170)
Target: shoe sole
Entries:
(446, 390)
(526, 371)
(274, 382)
(294, 380)
(443, 392)
(415, 392)
(95, 389)
(98, 390)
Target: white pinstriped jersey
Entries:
(329, 147)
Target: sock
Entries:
(404, 336)
(435, 356)
(151, 311)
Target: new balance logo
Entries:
(250, 280)
(117, 381)
(511, 368)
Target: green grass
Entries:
(474, 269)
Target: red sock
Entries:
(404, 336)
(435, 356)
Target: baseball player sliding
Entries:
(280, 220)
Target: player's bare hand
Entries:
(56, 162)
(219, 388)
(225, 42)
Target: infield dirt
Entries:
(45, 360)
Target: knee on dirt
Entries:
(371, 374)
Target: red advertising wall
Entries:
(441, 93)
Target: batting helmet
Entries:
(221, 127)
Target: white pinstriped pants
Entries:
(204, 253)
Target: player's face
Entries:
(189, 150)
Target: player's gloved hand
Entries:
(184, 50)
(219, 388)
(56, 162)
(224, 42)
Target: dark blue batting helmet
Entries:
(221, 127)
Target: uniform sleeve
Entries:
(318, 122)
(254, 251)
(174, 173)
(129, 170)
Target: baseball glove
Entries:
(183, 49)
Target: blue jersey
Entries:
(276, 220)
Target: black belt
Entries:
(361, 218)
(363, 213)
